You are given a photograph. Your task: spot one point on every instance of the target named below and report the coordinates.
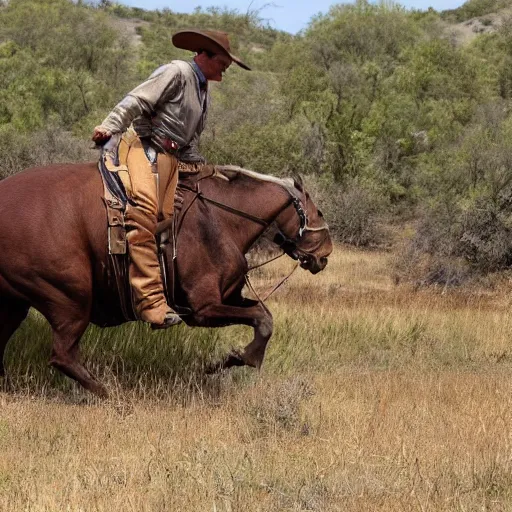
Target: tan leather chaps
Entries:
(147, 288)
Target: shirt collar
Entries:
(200, 77)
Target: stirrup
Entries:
(169, 320)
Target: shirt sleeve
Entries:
(141, 101)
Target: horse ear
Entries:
(297, 180)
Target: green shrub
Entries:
(49, 146)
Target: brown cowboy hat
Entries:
(211, 40)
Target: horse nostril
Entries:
(323, 261)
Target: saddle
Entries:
(117, 187)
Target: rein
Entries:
(240, 213)
(235, 211)
(288, 245)
(276, 287)
(303, 227)
(254, 267)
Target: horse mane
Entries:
(233, 172)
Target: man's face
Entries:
(216, 66)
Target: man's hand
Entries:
(101, 135)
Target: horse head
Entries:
(303, 234)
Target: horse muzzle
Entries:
(311, 263)
(307, 261)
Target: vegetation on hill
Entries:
(387, 115)
(475, 8)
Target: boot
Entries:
(147, 288)
(148, 296)
(171, 318)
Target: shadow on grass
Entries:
(128, 359)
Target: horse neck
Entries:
(259, 199)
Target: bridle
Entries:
(288, 245)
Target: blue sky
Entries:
(289, 15)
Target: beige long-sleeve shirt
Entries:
(170, 104)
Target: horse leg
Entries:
(254, 314)
(11, 316)
(69, 320)
(66, 357)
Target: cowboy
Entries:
(167, 113)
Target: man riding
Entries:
(167, 113)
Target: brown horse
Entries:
(53, 255)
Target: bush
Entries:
(41, 148)
(456, 242)
(354, 212)
(486, 239)
(464, 225)
(428, 257)
(474, 8)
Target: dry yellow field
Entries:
(372, 397)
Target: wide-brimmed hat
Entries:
(211, 40)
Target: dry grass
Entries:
(373, 397)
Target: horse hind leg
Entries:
(11, 316)
(66, 358)
(69, 320)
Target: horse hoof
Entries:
(233, 359)
(100, 391)
(212, 369)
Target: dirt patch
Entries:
(465, 32)
(129, 28)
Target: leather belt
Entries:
(166, 144)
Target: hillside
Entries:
(397, 118)
(467, 30)
(131, 28)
